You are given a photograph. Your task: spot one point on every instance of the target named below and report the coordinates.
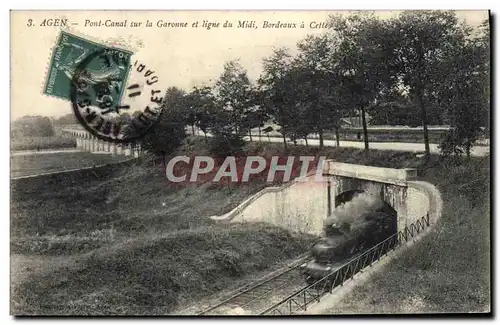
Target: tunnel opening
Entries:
(384, 207)
(359, 222)
(346, 196)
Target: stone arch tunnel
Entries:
(303, 206)
(385, 207)
(344, 181)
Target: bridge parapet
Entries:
(88, 142)
(377, 174)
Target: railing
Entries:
(304, 297)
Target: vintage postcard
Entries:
(251, 163)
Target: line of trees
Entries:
(32, 126)
(419, 67)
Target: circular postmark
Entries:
(105, 89)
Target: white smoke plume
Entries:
(350, 211)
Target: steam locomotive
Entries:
(344, 241)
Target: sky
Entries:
(182, 57)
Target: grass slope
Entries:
(129, 243)
(154, 275)
(136, 200)
(39, 143)
(45, 163)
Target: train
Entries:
(343, 241)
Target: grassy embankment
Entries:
(45, 163)
(131, 244)
(41, 143)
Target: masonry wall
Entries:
(303, 206)
(417, 204)
(300, 207)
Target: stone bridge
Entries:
(303, 206)
(391, 185)
(88, 142)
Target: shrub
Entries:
(39, 143)
(227, 145)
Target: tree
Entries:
(33, 126)
(394, 107)
(275, 91)
(191, 114)
(293, 100)
(262, 112)
(68, 119)
(360, 59)
(233, 93)
(169, 132)
(252, 120)
(418, 43)
(319, 91)
(256, 114)
(200, 103)
(464, 92)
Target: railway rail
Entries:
(257, 296)
(302, 298)
(285, 293)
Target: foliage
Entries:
(200, 105)
(230, 145)
(274, 86)
(417, 44)
(320, 94)
(234, 99)
(395, 70)
(32, 126)
(360, 59)
(256, 115)
(464, 93)
(68, 119)
(40, 143)
(169, 132)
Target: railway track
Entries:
(257, 297)
(283, 292)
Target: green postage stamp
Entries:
(72, 53)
